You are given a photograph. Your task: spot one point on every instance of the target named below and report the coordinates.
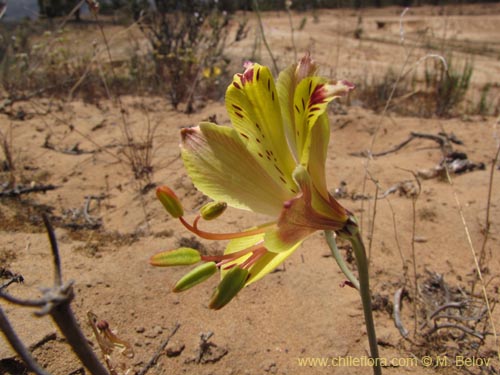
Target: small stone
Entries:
(175, 349)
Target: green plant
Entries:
(483, 107)
(448, 84)
(188, 42)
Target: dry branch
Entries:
(55, 302)
(160, 350)
(444, 140)
(19, 190)
(398, 296)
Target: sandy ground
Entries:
(300, 311)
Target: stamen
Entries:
(257, 254)
(226, 258)
(222, 236)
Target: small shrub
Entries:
(188, 43)
(448, 86)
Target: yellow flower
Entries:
(271, 161)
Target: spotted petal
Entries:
(221, 166)
(311, 98)
(254, 109)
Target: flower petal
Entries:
(221, 167)
(286, 85)
(311, 98)
(266, 264)
(320, 138)
(254, 109)
(301, 217)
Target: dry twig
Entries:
(159, 352)
(398, 296)
(56, 303)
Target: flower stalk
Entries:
(354, 237)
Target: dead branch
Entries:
(158, 353)
(18, 345)
(444, 140)
(398, 296)
(449, 305)
(14, 279)
(56, 303)
(467, 330)
(19, 190)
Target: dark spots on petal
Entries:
(258, 140)
(310, 86)
(260, 155)
(298, 133)
(258, 126)
(238, 114)
(293, 191)
(283, 180)
(310, 115)
(314, 109)
(278, 169)
(303, 105)
(297, 108)
(237, 107)
(244, 135)
(268, 84)
(236, 84)
(258, 74)
(268, 157)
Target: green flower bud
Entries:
(183, 256)
(231, 284)
(170, 201)
(213, 210)
(195, 276)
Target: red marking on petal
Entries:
(238, 108)
(247, 76)
(318, 95)
(238, 114)
(235, 84)
(350, 85)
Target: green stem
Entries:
(362, 262)
(340, 261)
